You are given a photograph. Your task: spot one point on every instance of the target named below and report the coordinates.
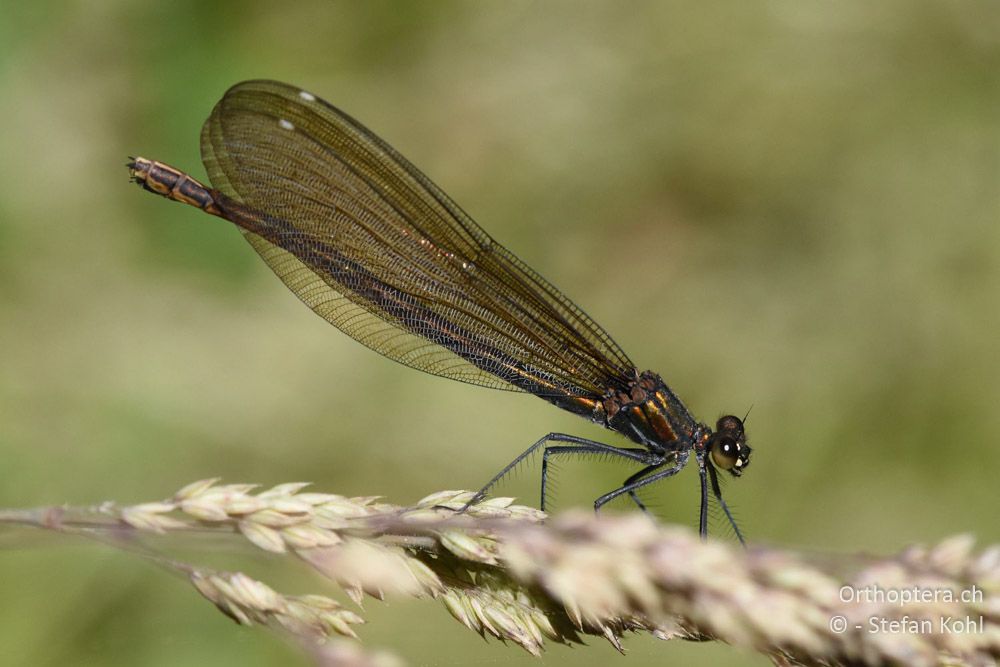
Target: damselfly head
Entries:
(728, 446)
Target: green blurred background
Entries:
(791, 205)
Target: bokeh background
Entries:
(790, 205)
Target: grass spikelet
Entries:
(505, 570)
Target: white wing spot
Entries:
(285, 125)
(308, 97)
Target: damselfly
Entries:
(368, 242)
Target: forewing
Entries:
(374, 247)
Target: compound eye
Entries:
(730, 423)
(725, 452)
